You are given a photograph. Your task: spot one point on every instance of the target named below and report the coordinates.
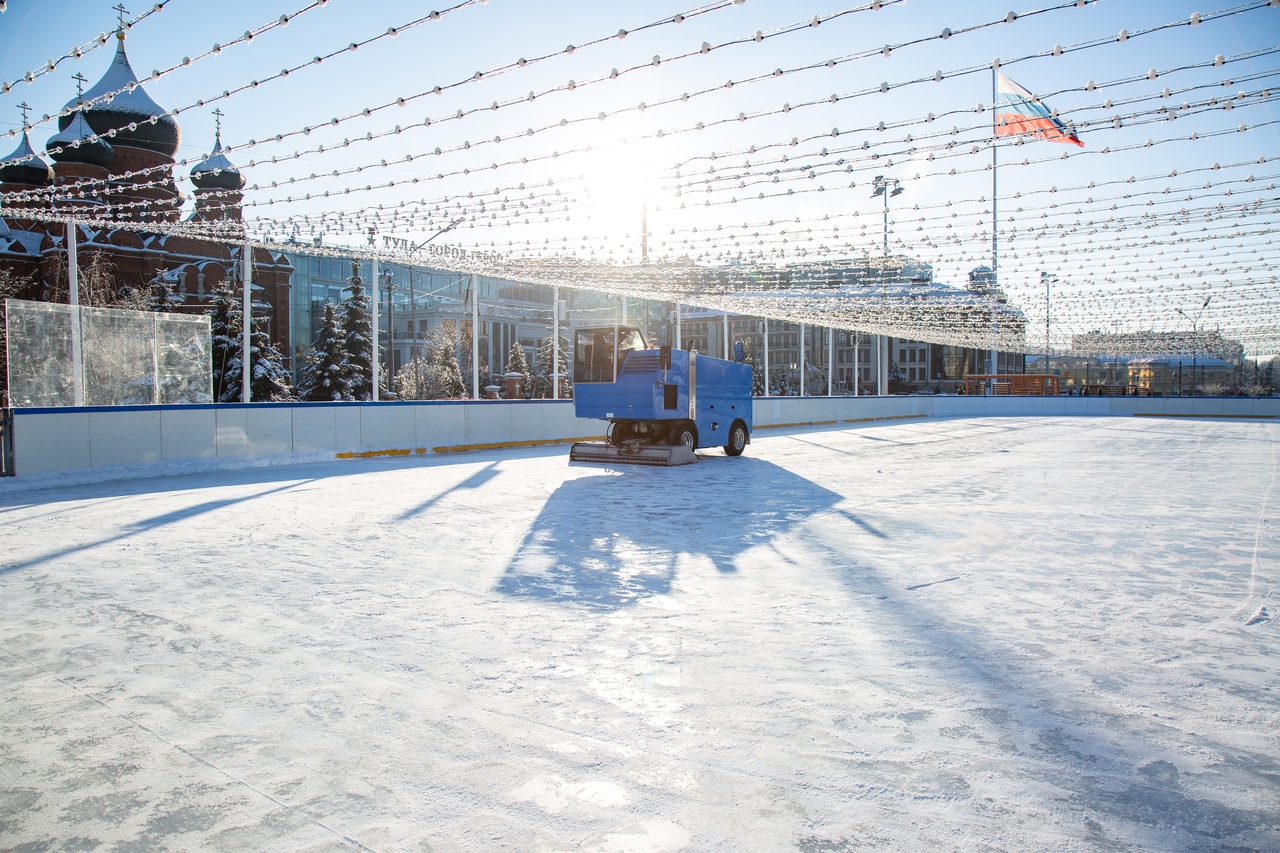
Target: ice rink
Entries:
(975, 635)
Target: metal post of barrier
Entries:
(555, 342)
(857, 376)
(77, 323)
(6, 443)
(802, 360)
(246, 323)
(831, 362)
(766, 356)
(475, 336)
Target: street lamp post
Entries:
(391, 329)
(1195, 350)
(413, 302)
(885, 188)
(1048, 280)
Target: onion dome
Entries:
(24, 167)
(79, 144)
(139, 122)
(215, 172)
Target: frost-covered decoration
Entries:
(326, 373)
(357, 332)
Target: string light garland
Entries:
(78, 52)
(107, 97)
(467, 146)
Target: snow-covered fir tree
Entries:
(898, 379)
(516, 363)
(357, 332)
(542, 368)
(433, 374)
(163, 296)
(326, 373)
(268, 379)
(815, 380)
(751, 356)
(224, 331)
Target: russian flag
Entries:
(1017, 113)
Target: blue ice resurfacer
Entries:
(661, 403)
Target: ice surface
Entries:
(986, 634)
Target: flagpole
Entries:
(995, 220)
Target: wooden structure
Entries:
(1011, 384)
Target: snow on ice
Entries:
(998, 634)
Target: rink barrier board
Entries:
(1173, 415)
(134, 440)
(799, 424)
(505, 445)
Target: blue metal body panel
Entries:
(721, 393)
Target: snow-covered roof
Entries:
(24, 166)
(79, 144)
(216, 171)
(138, 120)
(29, 240)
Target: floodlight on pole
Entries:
(413, 302)
(886, 188)
(1048, 279)
(1195, 336)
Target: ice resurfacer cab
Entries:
(661, 403)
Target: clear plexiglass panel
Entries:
(39, 350)
(184, 359)
(118, 364)
(129, 357)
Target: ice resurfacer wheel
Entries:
(737, 439)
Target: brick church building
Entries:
(113, 161)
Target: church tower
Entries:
(24, 176)
(143, 136)
(218, 184)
